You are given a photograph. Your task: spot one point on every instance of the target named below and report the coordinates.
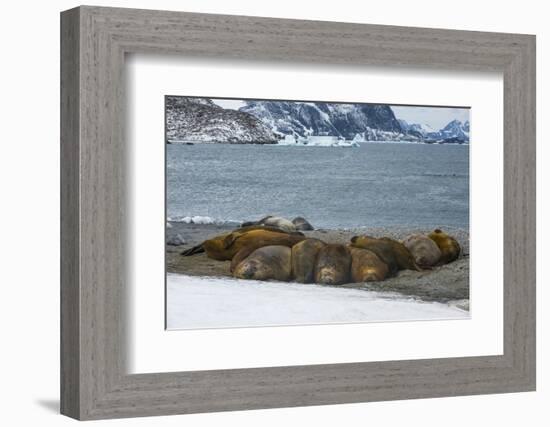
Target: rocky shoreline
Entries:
(447, 284)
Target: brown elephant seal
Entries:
(425, 251)
(266, 263)
(243, 245)
(450, 249)
(304, 258)
(224, 246)
(218, 241)
(366, 266)
(302, 224)
(394, 254)
(273, 221)
(333, 265)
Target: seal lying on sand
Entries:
(247, 243)
(273, 221)
(302, 224)
(366, 266)
(450, 249)
(266, 263)
(304, 258)
(218, 241)
(225, 246)
(333, 265)
(394, 254)
(425, 251)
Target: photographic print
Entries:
(299, 212)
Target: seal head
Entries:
(333, 265)
(450, 249)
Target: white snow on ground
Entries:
(210, 302)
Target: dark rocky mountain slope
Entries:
(200, 120)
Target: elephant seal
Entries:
(366, 266)
(273, 221)
(243, 245)
(333, 265)
(224, 246)
(302, 224)
(394, 254)
(304, 258)
(425, 251)
(450, 249)
(266, 263)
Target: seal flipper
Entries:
(193, 251)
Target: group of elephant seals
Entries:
(297, 224)
(269, 252)
(304, 259)
(333, 265)
(366, 266)
(308, 261)
(449, 247)
(425, 251)
(393, 253)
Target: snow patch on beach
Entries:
(211, 302)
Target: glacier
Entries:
(317, 141)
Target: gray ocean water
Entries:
(374, 185)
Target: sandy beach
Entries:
(446, 284)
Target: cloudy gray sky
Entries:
(435, 117)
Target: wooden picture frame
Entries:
(94, 382)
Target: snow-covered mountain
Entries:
(419, 130)
(200, 120)
(454, 132)
(267, 122)
(301, 119)
(456, 129)
(361, 122)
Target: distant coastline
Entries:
(193, 120)
(278, 143)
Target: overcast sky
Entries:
(435, 117)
